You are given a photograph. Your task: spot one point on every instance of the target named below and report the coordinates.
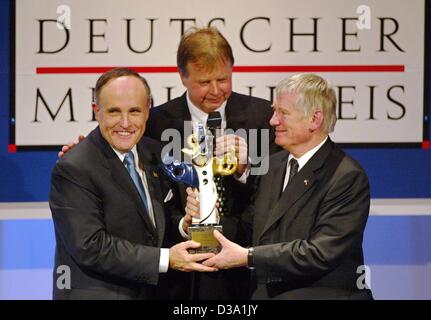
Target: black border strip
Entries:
(12, 28)
(39, 148)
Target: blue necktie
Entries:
(129, 161)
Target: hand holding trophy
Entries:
(200, 173)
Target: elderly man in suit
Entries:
(310, 209)
(110, 202)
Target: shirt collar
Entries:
(121, 155)
(201, 116)
(307, 156)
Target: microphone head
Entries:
(214, 120)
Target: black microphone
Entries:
(214, 122)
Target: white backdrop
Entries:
(372, 51)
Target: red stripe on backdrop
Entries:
(245, 69)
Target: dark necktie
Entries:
(221, 194)
(129, 161)
(293, 170)
(213, 124)
(294, 166)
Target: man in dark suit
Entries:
(110, 203)
(310, 209)
(205, 63)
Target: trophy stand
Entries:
(201, 174)
(202, 229)
(204, 234)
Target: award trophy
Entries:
(200, 174)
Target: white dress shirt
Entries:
(200, 116)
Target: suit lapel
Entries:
(276, 178)
(181, 117)
(121, 177)
(293, 192)
(297, 188)
(149, 165)
(236, 116)
(180, 113)
(273, 181)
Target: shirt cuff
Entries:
(181, 230)
(164, 260)
(244, 176)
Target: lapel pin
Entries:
(155, 174)
(306, 182)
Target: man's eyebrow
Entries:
(113, 108)
(135, 108)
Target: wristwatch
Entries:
(250, 258)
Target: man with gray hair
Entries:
(310, 210)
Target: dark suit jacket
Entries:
(242, 112)
(103, 233)
(308, 241)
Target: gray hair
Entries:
(315, 93)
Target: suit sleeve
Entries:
(338, 229)
(77, 211)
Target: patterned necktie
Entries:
(214, 122)
(129, 161)
(294, 166)
(221, 194)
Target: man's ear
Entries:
(316, 120)
(183, 79)
(96, 110)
